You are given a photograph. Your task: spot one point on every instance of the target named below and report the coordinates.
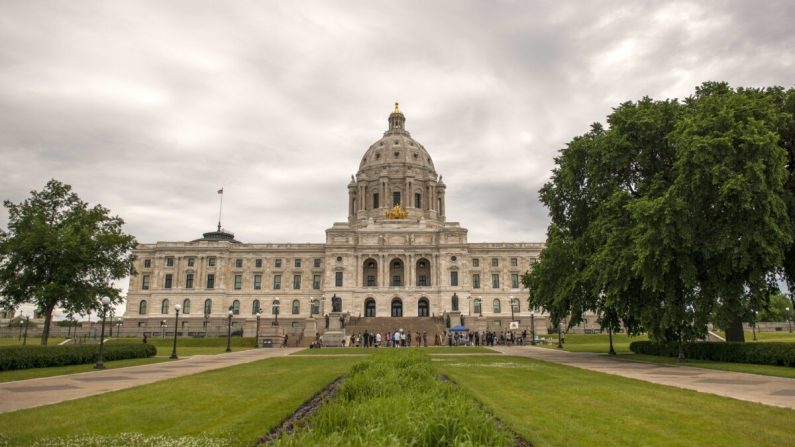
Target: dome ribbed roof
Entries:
(396, 147)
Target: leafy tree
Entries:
(776, 309)
(58, 251)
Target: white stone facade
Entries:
(416, 266)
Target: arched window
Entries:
(208, 306)
(236, 307)
(296, 307)
(396, 273)
(369, 307)
(515, 305)
(142, 308)
(255, 307)
(478, 308)
(314, 308)
(186, 307)
(422, 307)
(164, 307)
(496, 305)
(370, 273)
(423, 273)
(275, 307)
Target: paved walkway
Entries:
(30, 393)
(768, 390)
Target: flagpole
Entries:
(220, 207)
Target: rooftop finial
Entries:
(397, 110)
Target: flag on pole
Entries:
(221, 191)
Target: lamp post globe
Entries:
(229, 331)
(177, 308)
(100, 360)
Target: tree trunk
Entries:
(45, 331)
(734, 332)
(610, 333)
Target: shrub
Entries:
(782, 354)
(24, 357)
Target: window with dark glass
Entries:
(277, 282)
(453, 278)
(189, 280)
(238, 282)
(238, 263)
(417, 200)
(314, 309)
(255, 307)
(515, 280)
(191, 262)
(495, 281)
(396, 280)
(186, 307)
(211, 261)
(296, 282)
(257, 282)
(375, 201)
(338, 279)
(169, 262)
(167, 285)
(236, 307)
(495, 262)
(370, 280)
(395, 198)
(476, 281)
(210, 281)
(316, 282)
(298, 263)
(277, 263)
(476, 262)
(514, 262)
(208, 306)
(478, 306)
(258, 263)
(422, 281)
(147, 263)
(496, 306)
(164, 307)
(142, 308)
(515, 305)
(145, 282)
(296, 307)
(317, 262)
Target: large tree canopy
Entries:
(59, 252)
(677, 215)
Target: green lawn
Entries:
(770, 336)
(766, 370)
(429, 350)
(556, 405)
(33, 373)
(239, 403)
(200, 346)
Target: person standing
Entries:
(377, 339)
(396, 339)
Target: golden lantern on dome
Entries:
(397, 212)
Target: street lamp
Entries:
(480, 298)
(100, 363)
(259, 314)
(177, 308)
(229, 332)
(533, 329)
(276, 305)
(27, 323)
(206, 324)
(119, 322)
(789, 320)
(512, 298)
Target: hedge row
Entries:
(23, 357)
(781, 354)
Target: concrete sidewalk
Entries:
(768, 390)
(31, 393)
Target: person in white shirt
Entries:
(377, 339)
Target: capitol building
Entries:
(397, 256)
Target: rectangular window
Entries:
(454, 279)
(495, 281)
(211, 261)
(396, 281)
(277, 263)
(257, 282)
(145, 282)
(422, 281)
(277, 282)
(191, 262)
(338, 279)
(298, 263)
(238, 263)
(417, 200)
(476, 262)
(370, 281)
(147, 263)
(210, 281)
(514, 262)
(189, 281)
(495, 262)
(476, 281)
(238, 282)
(296, 282)
(395, 198)
(168, 281)
(317, 262)
(515, 280)
(169, 262)
(258, 263)
(316, 282)
(375, 201)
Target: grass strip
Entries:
(556, 405)
(765, 370)
(395, 398)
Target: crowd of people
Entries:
(401, 338)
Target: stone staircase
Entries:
(431, 325)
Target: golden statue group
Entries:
(397, 213)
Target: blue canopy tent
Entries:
(459, 329)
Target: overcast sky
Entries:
(150, 107)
